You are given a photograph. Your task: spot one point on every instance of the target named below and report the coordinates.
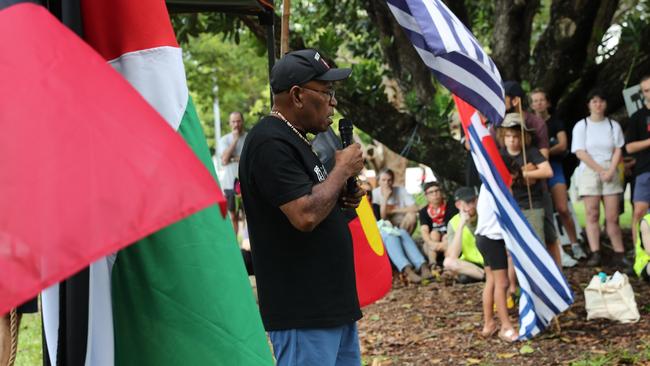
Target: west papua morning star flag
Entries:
(545, 292)
(452, 53)
(82, 155)
(458, 61)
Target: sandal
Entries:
(489, 332)
(508, 336)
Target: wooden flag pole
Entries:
(284, 35)
(523, 150)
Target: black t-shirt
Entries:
(304, 279)
(425, 217)
(638, 129)
(555, 125)
(519, 190)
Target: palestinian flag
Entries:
(83, 156)
(180, 296)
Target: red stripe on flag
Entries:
(88, 166)
(133, 25)
(466, 112)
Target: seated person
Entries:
(402, 250)
(463, 258)
(434, 218)
(395, 204)
(642, 259)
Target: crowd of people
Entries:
(302, 251)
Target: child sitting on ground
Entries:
(434, 218)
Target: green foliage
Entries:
(238, 71)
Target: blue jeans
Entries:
(402, 250)
(337, 346)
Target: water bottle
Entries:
(602, 276)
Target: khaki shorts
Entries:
(535, 218)
(590, 184)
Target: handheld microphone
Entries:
(345, 130)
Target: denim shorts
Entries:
(336, 346)
(642, 188)
(558, 174)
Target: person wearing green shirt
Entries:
(462, 257)
(642, 259)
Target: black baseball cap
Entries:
(465, 194)
(512, 88)
(299, 67)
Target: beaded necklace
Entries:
(280, 116)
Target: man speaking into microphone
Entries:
(301, 246)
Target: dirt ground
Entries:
(438, 323)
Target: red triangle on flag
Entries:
(87, 166)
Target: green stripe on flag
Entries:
(181, 296)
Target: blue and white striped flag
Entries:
(458, 61)
(545, 292)
(452, 53)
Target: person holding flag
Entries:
(300, 241)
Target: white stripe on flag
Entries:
(145, 69)
(552, 294)
(439, 37)
(461, 75)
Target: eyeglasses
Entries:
(330, 92)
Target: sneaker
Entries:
(594, 259)
(567, 260)
(578, 253)
(619, 262)
(411, 276)
(425, 272)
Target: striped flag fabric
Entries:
(180, 296)
(452, 53)
(545, 292)
(82, 158)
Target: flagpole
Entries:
(284, 37)
(523, 149)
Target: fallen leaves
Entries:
(436, 324)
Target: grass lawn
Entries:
(30, 351)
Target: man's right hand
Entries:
(350, 159)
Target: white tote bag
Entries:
(612, 299)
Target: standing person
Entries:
(230, 149)
(301, 245)
(489, 240)
(527, 179)
(514, 99)
(558, 150)
(637, 143)
(434, 218)
(597, 142)
(395, 203)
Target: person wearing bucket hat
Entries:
(301, 246)
(514, 99)
(525, 176)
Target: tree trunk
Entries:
(511, 37)
(569, 43)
